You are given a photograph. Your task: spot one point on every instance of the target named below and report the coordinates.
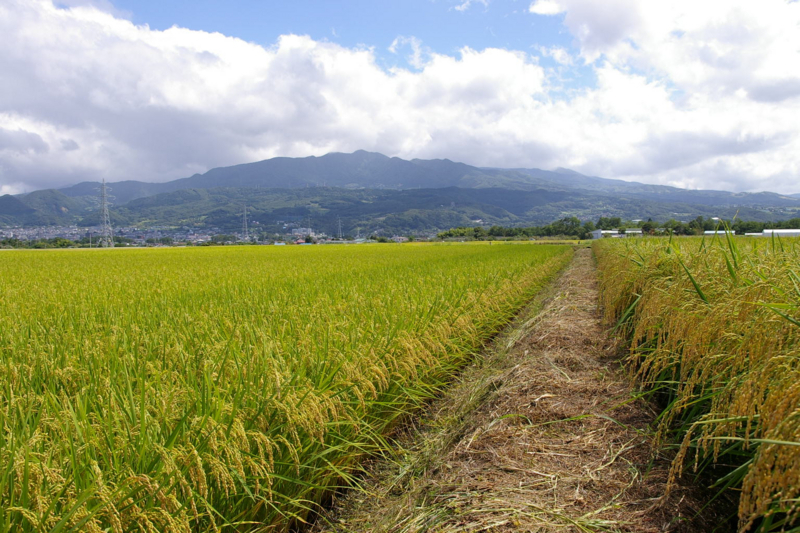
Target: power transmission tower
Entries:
(106, 233)
(245, 232)
(340, 227)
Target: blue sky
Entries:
(438, 24)
(685, 93)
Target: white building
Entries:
(781, 233)
(600, 233)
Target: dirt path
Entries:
(545, 434)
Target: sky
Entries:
(702, 95)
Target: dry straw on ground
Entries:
(545, 434)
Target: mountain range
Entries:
(378, 193)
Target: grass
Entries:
(713, 325)
(227, 389)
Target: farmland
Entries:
(227, 388)
(714, 332)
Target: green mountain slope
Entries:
(12, 206)
(376, 171)
(12, 210)
(122, 191)
(43, 208)
(660, 193)
(376, 191)
(389, 211)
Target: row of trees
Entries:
(60, 242)
(56, 242)
(567, 227)
(574, 228)
(740, 227)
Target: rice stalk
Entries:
(723, 351)
(227, 389)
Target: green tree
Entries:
(609, 222)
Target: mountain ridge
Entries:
(372, 170)
(553, 193)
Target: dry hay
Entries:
(546, 434)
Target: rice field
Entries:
(714, 327)
(227, 389)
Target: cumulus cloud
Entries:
(21, 142)
(730, 74)
(685, 94)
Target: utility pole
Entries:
(245, 232)
(106, 233)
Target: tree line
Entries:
(573, 227)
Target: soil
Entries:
(546, 432)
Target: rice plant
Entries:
(714, 326)
(227, 389)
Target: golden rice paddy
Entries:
(231, 389)
(714, 327)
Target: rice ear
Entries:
(725, 349)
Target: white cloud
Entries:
(102, 5)
(685, 94)
(546, 7)
(465, 5)
(419, 53)
(730, 74)
(559, 54)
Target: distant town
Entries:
(88, 237)
(295, 233)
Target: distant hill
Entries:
(660, 193)
(44, 208)
(391, 211)
(376, 171)
(372, 189)
(12, 206)
(13, 210)
(359, 170)
(122, 191)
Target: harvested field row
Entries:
(544, 434)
